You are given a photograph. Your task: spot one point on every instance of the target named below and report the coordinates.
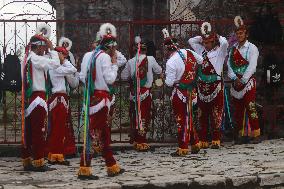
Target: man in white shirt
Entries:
(144, 70)
(59, 109)
(242, 64)
(181, 70)
(99, 72)
(34, 75)
(213, 49)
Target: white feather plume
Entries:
(204, 31)
(166, 33)
(98, 37)
(238, 21)
(107, 28)
(137, 39)
(65, 40)
(43, 29)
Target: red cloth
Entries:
(180, 112)
(145, 116)
(63, 50)
(99, 126)
(35, 130)
(248, 103)
(239, 60)
(212, 111)
(58, 122)
(70, 144)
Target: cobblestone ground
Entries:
(245, 166)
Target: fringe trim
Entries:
(241, 94)
(57, 100)
(104, 103)
(182, 152)
(112, 100)
(256, 133)
(212, 96)
(141, 146)
(204, 145)
(38, 162)
(85, 171)
(182, 97)
(27, 161)
(113, 169)
(142, 96)
(55, 157)
(97, 149)
(195, 146)
(36, 102)
(216, 142)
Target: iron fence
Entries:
(18, 32)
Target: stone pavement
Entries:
(242, 166)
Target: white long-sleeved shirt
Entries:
(249, 52)
(121, 60)
(216, 56)
(153, 66)
(175, 66)
(40, 65)
(106, 71)
(57, 77)
(73, 80)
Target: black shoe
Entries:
(115, 174)
(65, 162)
(51, 162)
(240, 140)
(43, 168)
(175, 154)
(28, 167)
(195, 149)
(88, 177)
(255, 140)
(215, 146)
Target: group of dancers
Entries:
(195, 78)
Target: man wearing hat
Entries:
(58, 109)
(140, 69)
(242, 64)
(99, 73)
(35, 66)
(213, 49)
(181, 70)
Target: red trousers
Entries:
(69, 145)
(35, 125)
(246, 105)
(138, 136)
(210, 114)
(99, 128)
(180, 112)
(58, 122)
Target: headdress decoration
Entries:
(65, 42)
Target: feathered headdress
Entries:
(206, 31)
(239, 23)
(43, 30)
(107, 29)
(65, 42)
(169, 42)
(108, 35)
(138, 40)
